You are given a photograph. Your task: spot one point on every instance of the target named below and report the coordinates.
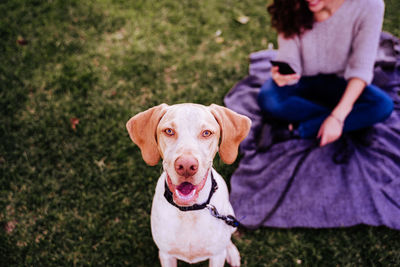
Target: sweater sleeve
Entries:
(289, 52)
(365, 42)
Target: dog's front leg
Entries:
(167, 260)
(233, 256)
(218, 260)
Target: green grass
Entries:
(82, 196)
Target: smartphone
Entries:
(284, 68)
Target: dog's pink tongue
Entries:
(185, 188)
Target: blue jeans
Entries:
(311, 100)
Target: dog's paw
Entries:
(232, 255)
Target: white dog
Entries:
(191, 217)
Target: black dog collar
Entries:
(229, 220)
(168, 196)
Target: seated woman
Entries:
(332, 45)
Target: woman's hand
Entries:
(282, 80)
(330, 130)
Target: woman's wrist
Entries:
(340, 121)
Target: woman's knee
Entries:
(385, 107)
(382, 105)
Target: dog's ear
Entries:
(142, 130)
(234, 128)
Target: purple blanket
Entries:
(295, 183)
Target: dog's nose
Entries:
(186, 166)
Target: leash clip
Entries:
(229, 220)
(213, 210)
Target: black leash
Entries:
(230, 220)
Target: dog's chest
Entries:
(191, 235)
(188, 235)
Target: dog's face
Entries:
(187, 137)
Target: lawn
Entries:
(74, 190)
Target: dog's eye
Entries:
(206, 133)
(169, 132)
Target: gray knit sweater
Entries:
(345, 44)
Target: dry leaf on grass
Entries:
(74, 122)
(22, 41)
(243, 19)
(219, 40)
